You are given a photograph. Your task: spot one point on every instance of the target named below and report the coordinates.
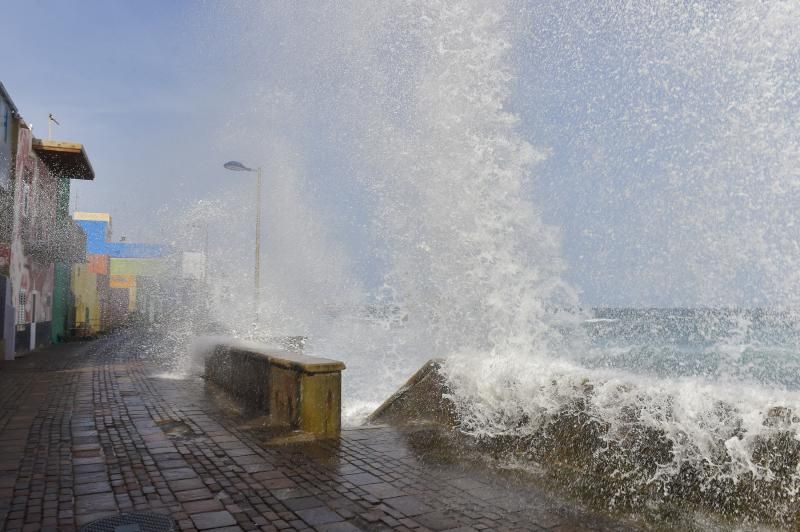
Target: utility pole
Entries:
(258, 244)
(205, 256)
(236, 166)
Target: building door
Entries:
(9, 319)
(33, 320)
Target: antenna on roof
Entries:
(50, 120)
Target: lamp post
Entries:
(236, 166)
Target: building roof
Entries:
(7, 98)
(95, 216)
(66, 159)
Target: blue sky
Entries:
(659, 123)
(123, 78)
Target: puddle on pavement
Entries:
(175, 429)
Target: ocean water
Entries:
(757, 346)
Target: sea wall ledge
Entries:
(295, 392)
(630, 463)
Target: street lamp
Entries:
(236, 166)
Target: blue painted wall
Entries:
(96, 243)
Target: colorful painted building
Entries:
(8, 149)
(105, 287)
(38, 240)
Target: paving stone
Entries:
(209, 520)
(172, 464)
(267, 475)
(179, 474)
(437, 521)
(360, 479)
(408, 505)
(390, 521)
(91, 503)
(205, 505)
(163, 449)
(319, 516)
(89, 460)
(258, 467)
(238, 451)
(382, 490)
(193, 495)
(250, 459)
(338, 527)
(87, 478)
(302, 503)
(186, 484)
(92, 487)
(278, 483)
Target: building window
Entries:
(23, 299)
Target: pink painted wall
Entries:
(34, 213)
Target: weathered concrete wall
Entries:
(296, 392)
(420, 400)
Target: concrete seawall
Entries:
(294, 391)
(420, 400)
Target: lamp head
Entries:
(236, 166)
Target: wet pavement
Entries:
(89, 430)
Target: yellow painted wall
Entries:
(84, 286)
(137, 267)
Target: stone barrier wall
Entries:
(624, 473)
(296, 392)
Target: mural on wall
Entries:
(33, 206)
(5, 258)
(42, 278)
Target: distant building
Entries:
(106, 286)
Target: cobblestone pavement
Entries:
(88, 430)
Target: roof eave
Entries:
(67, 159)
(7, 97)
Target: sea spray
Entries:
(480, 276)
(470, 259)
(306, 284)
(694, 102)
(416, 97)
